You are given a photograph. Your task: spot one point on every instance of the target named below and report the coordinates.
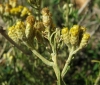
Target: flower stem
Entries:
(66, 67)
(47, 62)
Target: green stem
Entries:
(66, 67)
(47, 62)
(56, 68)
(98, 78)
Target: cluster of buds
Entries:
(26, 31)
(75, 37)
(17, 31)
(23, 31)
(46, 15)
(47, 22)
(5, 8)
(31, 29)
(11, 8)
(20, 11)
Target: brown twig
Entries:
(83, 18)
(12, 42)
(95, 30)
(83, 7)
(4, 46)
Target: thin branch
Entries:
(12, 42)
(47, 62)
(83, 18)
(83, 7)
(95, 30)
(3, 49)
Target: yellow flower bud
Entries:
(64, 30)
(45, 11)
(17, 32)
(83, 29)
(86, 36)
(74, 35)
(84, 40)
(46, 17)
(20, 30)
(74, 31)
(25, 12)
(30, 20)
(65, 35)
(16, 10)
(12, 34)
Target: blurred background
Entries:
(17, 68)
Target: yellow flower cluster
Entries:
(26, 31)
(76, 36)
(5, 8)
(11, 8)
(25, 12)
(17, 32)
(16, 10)
(21, 11)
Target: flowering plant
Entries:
(35, 31)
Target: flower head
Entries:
(45, 11)
(74, 31)
(30, 20)
(46, 17)
(74, 35)
(64, 30)
(16, 10)
(25, 12)
(12, 34)
(84, 40)
(17, 32)
(65, 35)
(20, 30)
